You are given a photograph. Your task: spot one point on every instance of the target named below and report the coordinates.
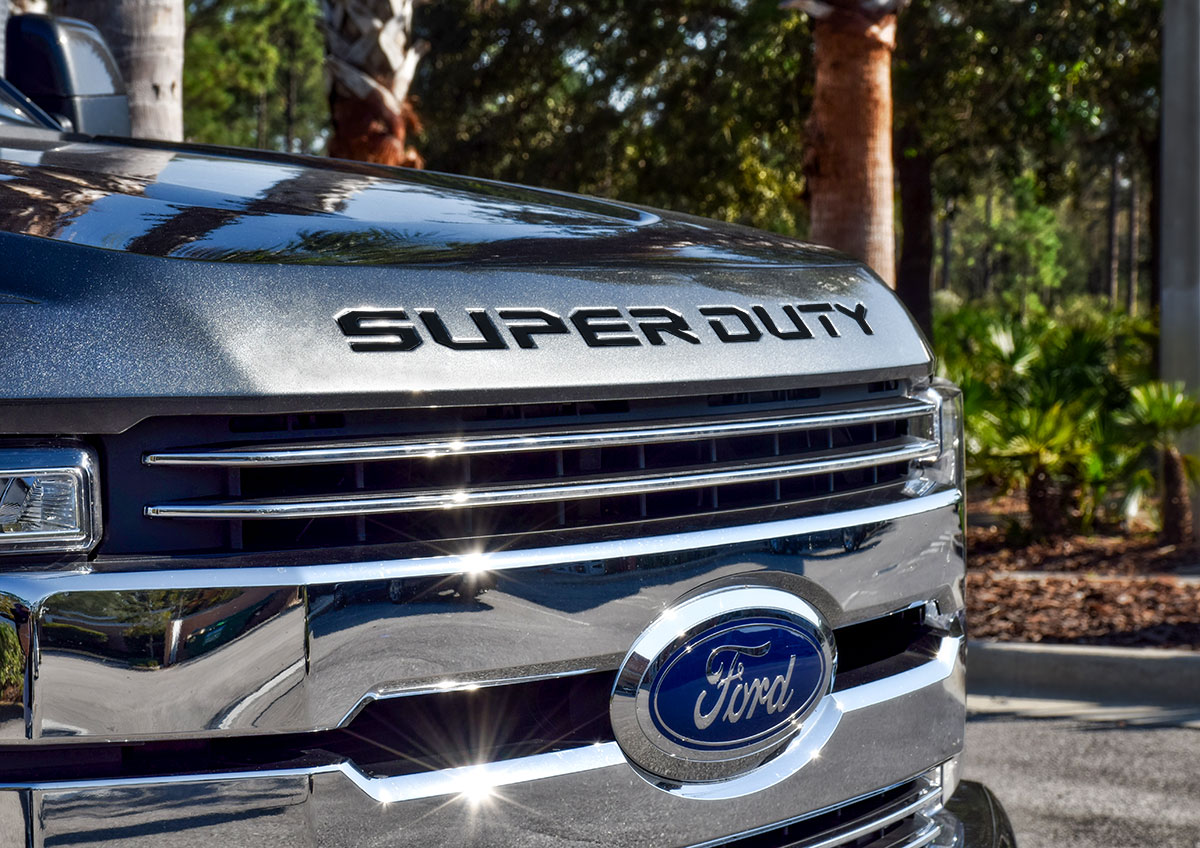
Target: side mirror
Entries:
(64, 66)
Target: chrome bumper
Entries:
(252, 651)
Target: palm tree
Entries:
(146, 39)
(848, 163)
(1159, 413)
(372, 60)
(1039, 450)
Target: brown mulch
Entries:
(1104, 589)
(1099, 554)
(1141, 611)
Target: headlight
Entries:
(49, 500)
(947, 430)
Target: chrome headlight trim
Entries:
(72, 466)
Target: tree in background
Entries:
(146, 39)
(1159, 414)
(988, 92)
(691, 105)
(372, 59)
(848, 160)
(252, 74)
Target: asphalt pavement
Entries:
(1088, 776)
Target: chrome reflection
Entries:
(111, 662)
(156, 629)
(15, 648)
(193, 652)
(925, 680)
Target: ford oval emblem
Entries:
(720, 683)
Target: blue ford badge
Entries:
(720, 683)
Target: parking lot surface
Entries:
(1091, 782)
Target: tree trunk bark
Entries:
(848, 163)
(914, 279)
(146, 38)
(1044, 496)
(372, 61)
(1177, 501)
(947, 244)
(1135, 254)
(4, 12)
(986, 264)
(1153, 152)
(1114, 244)
(260, 133)
(289, 100)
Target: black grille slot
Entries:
(446, 479)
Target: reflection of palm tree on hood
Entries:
(59, 184)
(145, 199)
(309, 191)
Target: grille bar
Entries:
(827, 462)
(928, 797)
(329, 454)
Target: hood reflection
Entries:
(160, 200)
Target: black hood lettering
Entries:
(824, 319)
(657, 321)
(750, 333)
(604, 327)
(490, 338)
(600, 326)
(859, 314)
(387, 329)
(548, 324)
(801, 331)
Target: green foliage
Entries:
(1051, 391)
(1157, 415)
(694, 106)
(12, 663)
(252, 74)
(1159, 412)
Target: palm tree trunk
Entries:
(1114, 252)
(1044, 495)
(849, 158)
(947, 244)
(1135, 255)
(372, 61)
(146, 39)
(986, 262)
(1177, 500)
(4, 12)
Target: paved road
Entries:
(1068, 783)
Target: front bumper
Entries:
(323, 809)
(318, 645)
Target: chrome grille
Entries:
(448, 478)
(904, 816)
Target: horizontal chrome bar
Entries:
(920, 839)
(328, 454)
(891, 409)
(32, 586)
(880, 819)
(899, 450)
(490, 775)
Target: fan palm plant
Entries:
(1158, 415)
(1040, 450)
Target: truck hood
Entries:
(145, 279)
(222, 205)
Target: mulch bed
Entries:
(1108, 555)
(1104, 589)
(1086, 610)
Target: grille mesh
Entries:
(448, 478)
